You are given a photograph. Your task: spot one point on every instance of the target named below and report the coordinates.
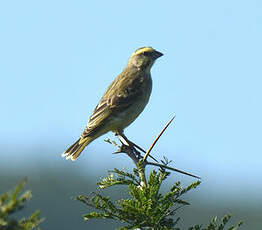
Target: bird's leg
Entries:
(124, 140)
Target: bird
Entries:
(122, 102)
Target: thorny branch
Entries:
(132, 150)
(155, 141)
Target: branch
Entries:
(155, 141)
(130, 149)
(173, 169)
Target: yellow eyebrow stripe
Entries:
(146, 49)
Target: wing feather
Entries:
(121, 94)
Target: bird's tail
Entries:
(75, 149)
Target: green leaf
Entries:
(10, 203)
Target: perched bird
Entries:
(122, 102)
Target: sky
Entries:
(58, 57)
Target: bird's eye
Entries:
(145, 54)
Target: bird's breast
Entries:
(128, 115)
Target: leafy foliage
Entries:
(213, 225)
(147, 207)
(12, 202)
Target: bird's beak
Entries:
(157, 54)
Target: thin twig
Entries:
(173, 169)
(155, 141)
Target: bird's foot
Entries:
(128, 144)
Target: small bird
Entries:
(122, 102)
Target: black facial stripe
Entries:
(147, 54)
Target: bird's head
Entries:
(144, 58)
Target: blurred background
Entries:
(58, 57)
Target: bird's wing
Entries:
(112, 104)
(129, 90)
(99, 116)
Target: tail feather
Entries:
(75, 149)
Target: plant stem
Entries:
(170, 168)
(141, 170)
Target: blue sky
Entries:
(58, 57)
